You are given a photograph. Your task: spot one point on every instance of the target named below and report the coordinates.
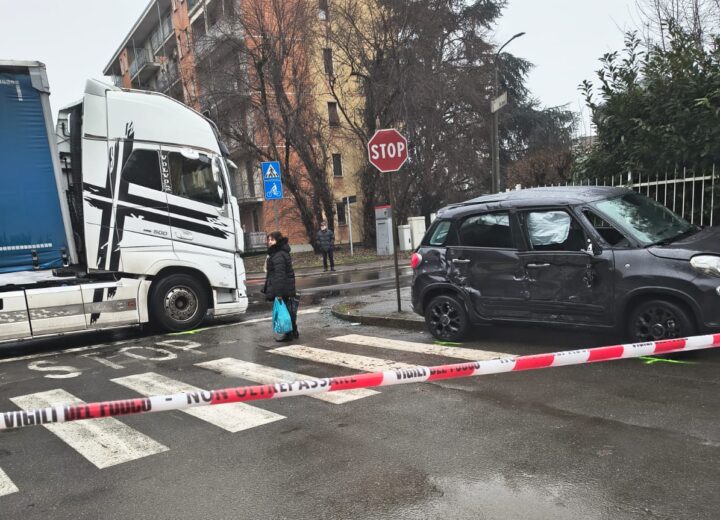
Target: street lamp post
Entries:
(496, 184)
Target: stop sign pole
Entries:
(388, 151)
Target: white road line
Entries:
(233, 417)
(67, 351)
(102, 361)
(104, 442)
(330, 357)
(421, 348)
(6, 485)
(314, 310)
(232, 367)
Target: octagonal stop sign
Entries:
(387, 150)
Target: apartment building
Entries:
(165, 51)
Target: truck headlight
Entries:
(706, 264)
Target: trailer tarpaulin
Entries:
(32, 233)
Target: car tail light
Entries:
(415, 260)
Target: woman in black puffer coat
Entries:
(280, 279)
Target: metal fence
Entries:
(696, 197)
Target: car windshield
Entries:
(645, 220)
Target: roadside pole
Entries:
(349, 213)
(395, 240)
(388, 151)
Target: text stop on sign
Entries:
(387, 150)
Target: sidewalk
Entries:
(380, 309)
(318, 270)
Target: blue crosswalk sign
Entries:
(272, 180)
(270, 170)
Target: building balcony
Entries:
(168, 77)
(144, 66)
(192, 4)
(161, 34)
(217, 41)
(247, 193)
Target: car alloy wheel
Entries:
(446, 318)
(659, 320)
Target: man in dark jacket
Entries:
(326, 243)
(280, 279)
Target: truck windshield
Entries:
(647, 221)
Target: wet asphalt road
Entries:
(621, 440)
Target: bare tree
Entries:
(256, 73)
(425, 68)
(701, 18)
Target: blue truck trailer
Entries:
(35, 231)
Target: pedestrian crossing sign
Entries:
(270, 170)
(272, 180)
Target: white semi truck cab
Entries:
(120, 216)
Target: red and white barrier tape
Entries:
(182, 401)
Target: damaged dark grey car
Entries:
(597, 257)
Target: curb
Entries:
(379, 321)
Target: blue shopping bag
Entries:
(282, 323)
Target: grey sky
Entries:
(565, 39)
(76, 38)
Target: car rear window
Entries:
(440, 234)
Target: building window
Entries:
(328, 61)
(341, 214)
(255, 220)
(250, 179)
(324, 11)
(337, 165)
(333, 116)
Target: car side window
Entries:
(142, 168)
(195, 178)
(607, 231)
(554, 230)
(487, 230)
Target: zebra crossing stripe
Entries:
(340, 359)
(421, 348)
(232, 367)
(6, 485)
(233, 417)
(104, 442)
(401, 374)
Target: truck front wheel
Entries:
(178, 303)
